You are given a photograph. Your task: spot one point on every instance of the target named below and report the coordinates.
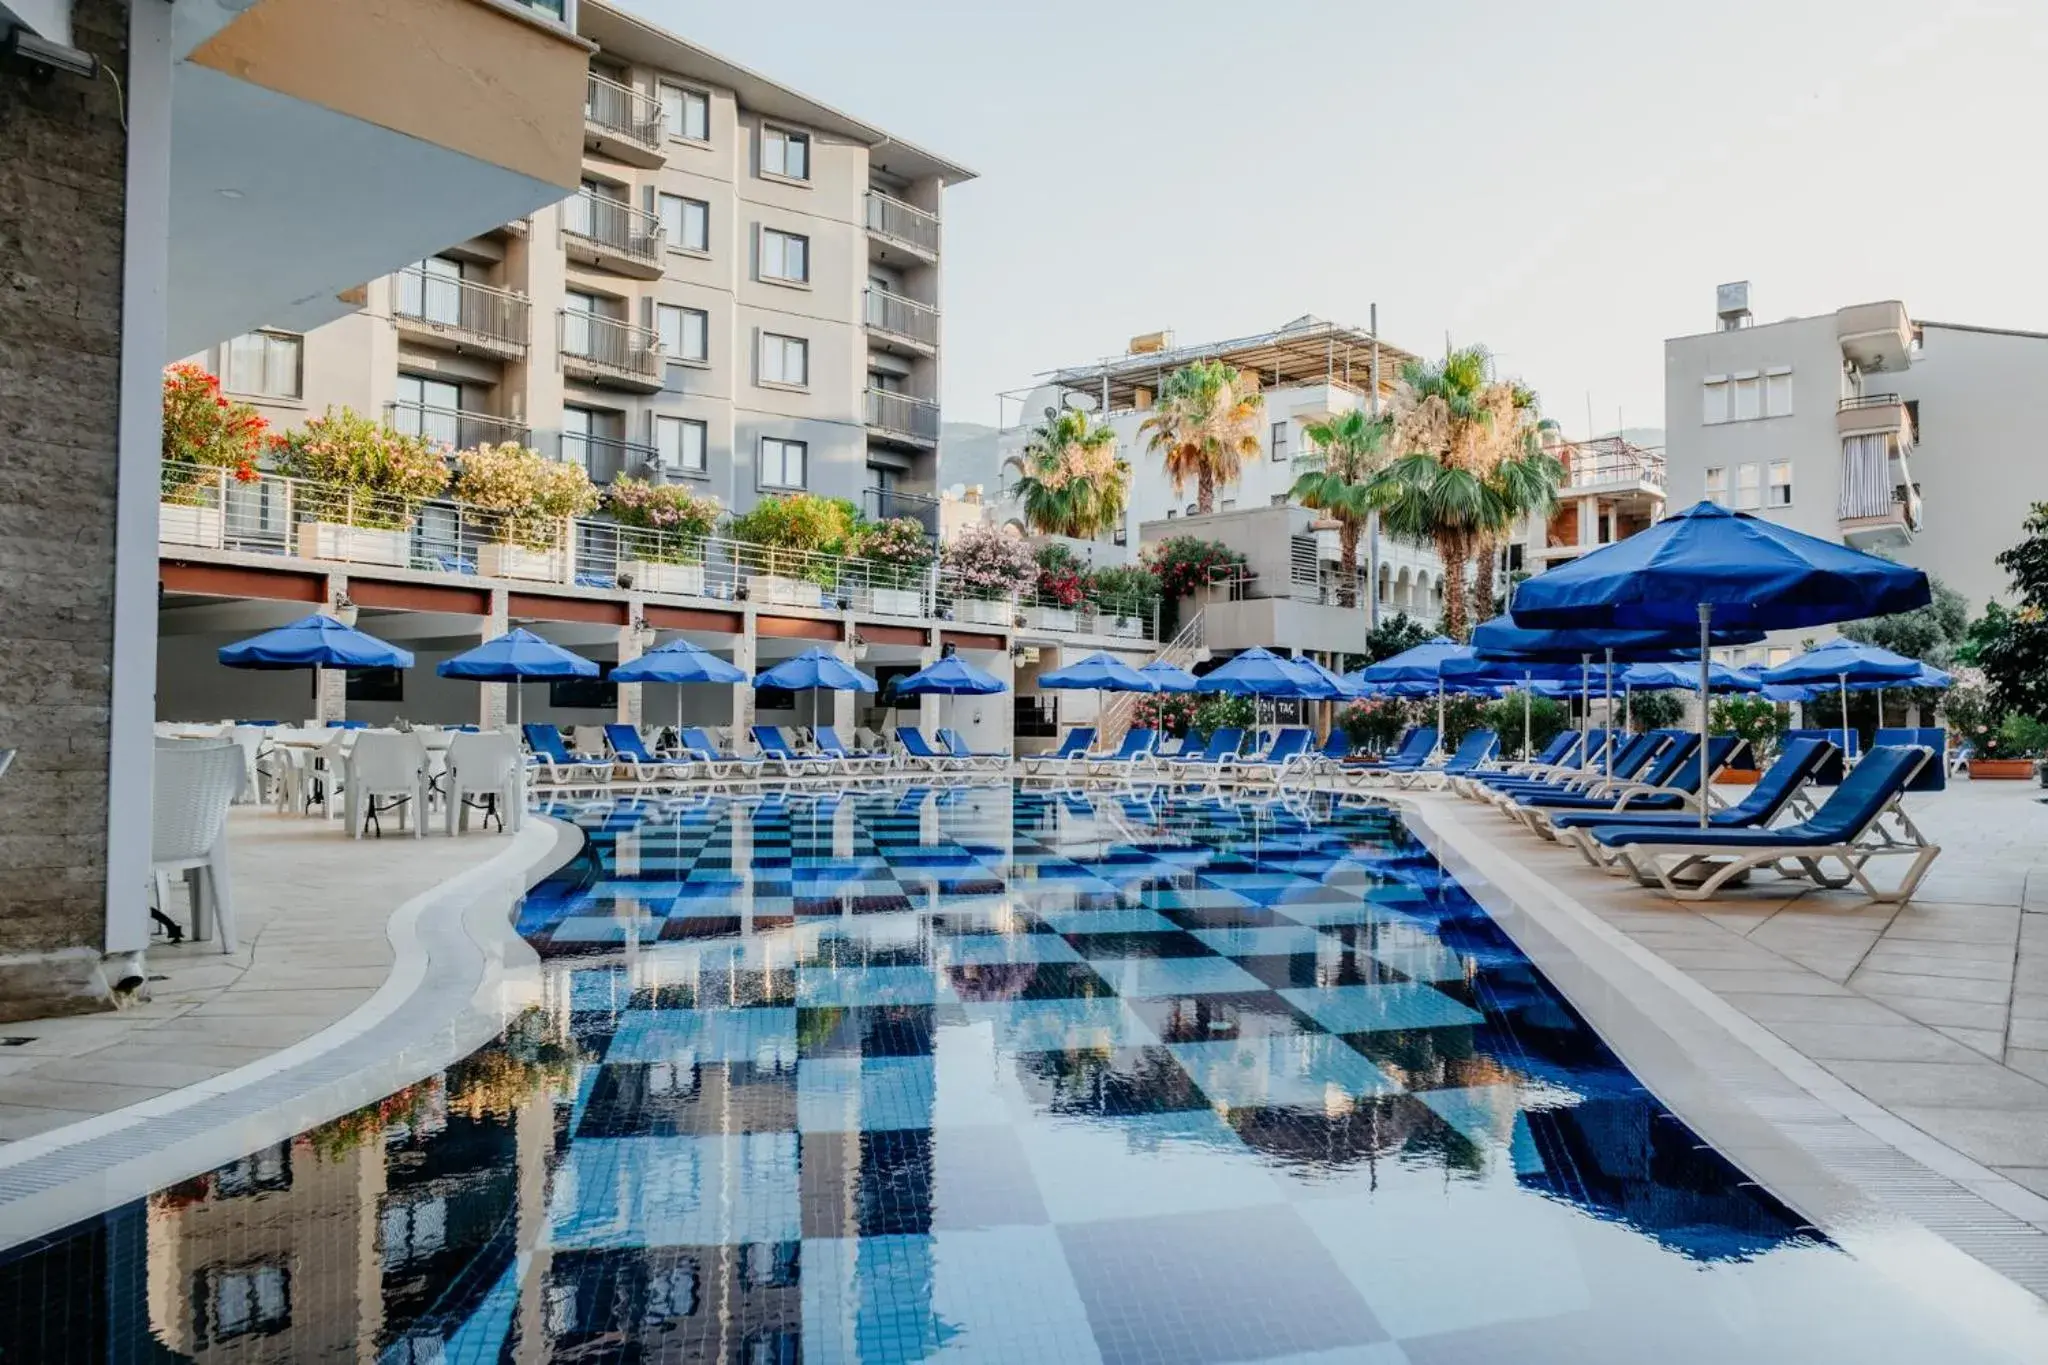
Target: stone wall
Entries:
(62, 192)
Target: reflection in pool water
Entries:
(988, 1075)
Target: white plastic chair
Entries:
(386, 770)
(192, 786)
(484, 765)
(589, 741)
(251, 738)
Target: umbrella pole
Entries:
(1706, 617)
(1609, 717)
(1585, 697)
(1440, 711)
(1528, 685)
(1628, 706)
(1843, 679)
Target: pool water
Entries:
(983, 1074)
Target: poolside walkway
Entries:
(313, 908)
(1935, 1013)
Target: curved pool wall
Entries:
(986, 1074)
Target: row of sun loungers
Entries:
(1637, 812)
(696, 760)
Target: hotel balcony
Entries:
(1890, 524)
(1876, 336)
(1882, 413)
(900, 324)
(899, 233)
(605, 351)
(1879, 502)
(459, 315)
(454, 427)
(887, 504)
(611, 235)
(901, 418)
(622, 123)
(606, 458)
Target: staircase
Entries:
(1181, 651)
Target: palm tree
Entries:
(1073, 484)
(1473, 469)
(1347, 450)
(1205, 427)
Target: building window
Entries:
(1229, 504)
(243, 1300)
(686, 113)
(1715, 408)
(1279, 440)
(785, 256)
(432, 290)
(429, 408)
(685, 332)
(578, 335)
(1778, 391)
(1748, 487)
(783, 463)
(685, 222)
(579, 426)
(1780, 490)
(1122, 535)
(1749, 397)
(1717, 486)
(785, 153)
(679, 442)
(265, 365)
(785, 360)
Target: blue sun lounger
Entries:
(919, 751)
(552, 762)
(1074, 747)
(1629, 762)
(1774, 793)
(1672, 783)
(957, 746)
(1849, 829)
(1475, 748)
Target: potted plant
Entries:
(521, 502)
(1186, 565)
(360, 483)
(661, 548)
(1061, 583)
(989, 568)
(2023, 740)
(1125, 596)
(208, 439)
(898, 556)
(1978, 720)
(1373, 725)
(789, 547)
(1755, 721)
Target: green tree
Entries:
(1346, 450)
(1546, 720)
(1931, 633)
(1984, 631)
(1396, 634)
(2016, 663)
(1073, 484)
(1649, 711)
(1206, 425)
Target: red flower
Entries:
(246, 473)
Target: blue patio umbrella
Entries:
(1343, 689)
(316, 642)
(1099, 673)
(815, 670)
(1710, 567)
(513, 657)
(1660, 677)
(1533, 676)
(1170, 677)
(951, 676)
(1845, 662)
(1422, 664)
(1259, 673)
(679, 662)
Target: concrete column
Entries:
(496, 705)
(743, 658)
(928, 712)
(631, 646)
(330, 685)
(839, 714)
(1589, 524)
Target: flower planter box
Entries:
(354, 544)
(775, 590)
(1052, 618)
(183, 524)
(517, 561)
(894, 601)
(998, 611)
(1125, 627)
(1738, 777)
(684, 580)
(2001, 769)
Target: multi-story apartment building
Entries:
(1309, 370)
(1867, 426)
(743, 295)
(1611, 489)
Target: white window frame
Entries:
(416, 416)
(1749, 486)
(1276, 438)
(777, 247)
(1748, 388)
(1716, 490)
(675, 226)
(1778, 391)
(675, 121)
(781, 451)
(272, 348)
(776, 143)
(781, 347)
(1716, 400)
(1772, 483)
(673, 446)
(673, 323)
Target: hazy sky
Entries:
(1565, 183)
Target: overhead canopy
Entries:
(314, 642)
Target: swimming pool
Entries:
(986, 1074)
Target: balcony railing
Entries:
(606, 458)
(454, 427)
(1867, 400)
(205, 508)
(441, 301)
(620, 109)
(612, 225)
(610, 348)
(906, 318)
(886, 504)
(1592, 465)
(906, 223)
(898, 414)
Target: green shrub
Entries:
(1375, 723)
(1649, 711)
(1218, 712)
(1123, 590)
(1753, 719)
(2023, 736)
(1547, 720)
